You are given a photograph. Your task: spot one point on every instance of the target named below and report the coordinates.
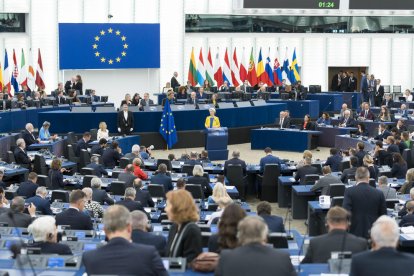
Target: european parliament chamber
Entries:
(238, 137)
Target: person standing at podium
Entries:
(212, 121)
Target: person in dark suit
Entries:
(146, 101)
(129, 201)
(383, 157)
(162, 178)
(403, 112)
(127, 176)
(141, 195)
(140, 233)
(28, 136)
(399, 166)
(305, 170)
(364, 202)
(70, 84)
(20, 154)
(360, 154)
(383, 132)
(284, 120)
(364, 87)
(193, 99)
(74, 215)
(184, 237)
(60, 99)
(348, 173)
(98, 168)
(336, 81)
(408, 219)
(224, 87)
(198, 178)
(15, 217)
(392, 147)
(346, 120)
(100, 147)
(336, 240)
(378, 93)
(56, 174)
(78, 84)
(324, 182)
(112, 155)
(174, 82)
(387, 101)
(307, 124)
(343, 87)
(99, 195)
(44, 233)
(119, 256)
(334, 160)
(200, 94)
(352, 83)
(193, 159)
(269, 159)
(125, 121)
(28, 188)
(362, 131)
(366, 114)
(83, 143)
(39, 200)
(235, 161)
(377, 261)
(274, 223)
(94, 97)
(253, 257)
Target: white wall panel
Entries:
(401, 62)
(146, 11)
(220, 6)
(247, 43)
(360, 51)
(69, 11)
(196, 7)
(381, 62)
(17, 5)
(122, 11)
(337, 51)
(96, 11)
(314, 61)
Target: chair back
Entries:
(278, 240)
(337, 189)
(43, 180)
(156, 190)
(94, 134)
(269, 183)
(115, 174)
(310, 179)
(391, 203)
(39, 165)
(71, 154)
(62, 196)
(117, 188)
(10, 157)
(195, 190)
(212, 207)
(167, 162)
(337, 201)
(84, 158)
(88, 171)
(235, 177)
(344, 165)
(372, 183)
(188, 169)
(318, 166)
(71, 138)
(86, 182)
(406, 155)
(124, 162)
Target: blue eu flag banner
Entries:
(167, 126)
(109, 46)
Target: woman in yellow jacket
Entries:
(212, 121)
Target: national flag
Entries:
(15, 74)
(1, 77)
(6, 73)
(226, 69)
(286, 69)
(40, 82)
(23, 70)
(261, 76)
(251, 75)
(218, 73)
(167, 126)
(294, 68)
(31, 72)
(277, 72)
(269, 71)
(235, 73)
(243, 71)
(209, 69)
(192, 71)
(201, 71)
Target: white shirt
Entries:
(409, 98)
(126, 115)
(102, 134)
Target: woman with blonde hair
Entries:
(409, 182)
(184, 237)
(219, 192)
(368, 162)
(103, 131)
(306, 154)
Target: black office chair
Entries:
(10, 157)
(71, 138)
(344, 165)
(58, 195)
(43, 180)
(124, 162)
(188, 169)
(39, 165)
(318, 166)
(86, 182)
(391, 203)
(350, 176)
(337, 201)
(310, 179)
(117, 188)
(94, 134)
(84, 158)
(337, 189)
(269, 181)
(115, 174)
(278, 240)
(88, 171)
(372, 183)
(167, 162)
(71, 154)
(212, 207)
(156, 190)
(406, 155)
(205, 236)
(9, 195)
(195, 190)
(235, 177)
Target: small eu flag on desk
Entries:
(167, 126)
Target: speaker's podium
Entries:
(216, 143)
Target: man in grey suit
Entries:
(127, 176)
(253, 257)
(337, 239)
(389, 192)
(324, 182)
(15, 217)
(98, 194)
(146, 101)
(305, 170)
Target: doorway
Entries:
(332, 71)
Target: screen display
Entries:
(80, 235)
(56, 262)
(89, 246)
(381, 4)
(291, 4)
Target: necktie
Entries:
(281, 122)
(366, 114)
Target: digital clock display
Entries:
(381, 4)
(293, 4)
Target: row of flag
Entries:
(14, 76)
(267, 71)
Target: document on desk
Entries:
(292, 179)
(408, 237)
(407, 230)
(229, 187)
(296, 259)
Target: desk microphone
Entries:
(15, 250)
(288, 219)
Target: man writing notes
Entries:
(212, 121)
(125, 121)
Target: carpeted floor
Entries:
(253, 157)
